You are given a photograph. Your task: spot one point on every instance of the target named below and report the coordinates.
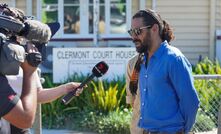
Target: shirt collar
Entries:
(160, 50)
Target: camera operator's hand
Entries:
(31, 48)
(33, 57)
(25, 65)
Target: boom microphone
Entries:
(99, 70)
(32, 30)
(36, 31)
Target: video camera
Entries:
(14, 25)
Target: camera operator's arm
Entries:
(51, 94)
(23, 113)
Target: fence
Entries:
(209, 91)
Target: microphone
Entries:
(99, 70)
(54, 27)
(36, 31)
(32, 30)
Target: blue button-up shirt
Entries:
(169, 101)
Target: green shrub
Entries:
(90, 98)
(112, 123)
(106, 100)
(57, 115)
(206, 66)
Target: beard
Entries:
(142, 47)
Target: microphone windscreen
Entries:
(100, 69)
(37, 31)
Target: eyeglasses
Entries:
(137, 31)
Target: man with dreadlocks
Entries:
(160, 79)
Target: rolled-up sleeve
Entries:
(182, 80)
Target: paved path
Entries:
(54, 131)
(210, 132)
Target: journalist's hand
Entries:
(72, 86)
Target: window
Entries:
(118, 16)
(77, 17)
(71, 17)
(101, 24)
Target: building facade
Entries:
(194, 22)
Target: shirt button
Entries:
(142, 104)
(140, 118)
(144, 89)
(145, 76)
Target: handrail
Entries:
(207, 76)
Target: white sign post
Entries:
(67, 61)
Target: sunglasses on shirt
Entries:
(137, 31)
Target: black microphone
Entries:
(99, 70)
